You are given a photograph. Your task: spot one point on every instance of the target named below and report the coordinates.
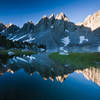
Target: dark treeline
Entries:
(8, 44)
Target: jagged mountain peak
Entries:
(29, 26)
(30, 22)
(55, 32)
(92, 21)
(44, 17)
(8, 25)
(97, 13)
(79, 23)
(11, 28)
(51, 16)
(62, 16)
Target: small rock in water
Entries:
(31, 57)
(52, 69)
(4, 65)
(51, 26)
(10, 53)
(66, 65)
(42, 50)
(62, 53)
(66, 30)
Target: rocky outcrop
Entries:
(62, 16)
(28, 27)
(2, 26)
(43, 24)
(91, 74)
(51, 19)
(93, 21)
(11, 28)
(51, 31)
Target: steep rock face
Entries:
(43, 24)
(51, 19)
(51, 31)
(62, 16)
(2, 26)
(93, 21)
(28, 27)
(11, 28)
(91, 74)
(55, 32)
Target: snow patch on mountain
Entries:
(51, 26)
(31, 57)
(29, 40)
(17, 39)
(98, 48)
(19, 58)
(66, 41)
(61, 48)
(82, 39)
(66, 30)
(64, 52)
(13, 37)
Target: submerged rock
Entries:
(10, 53)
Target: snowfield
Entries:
(20, 38)
(82, 39)
(66, 41)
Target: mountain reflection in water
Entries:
(58, 72)
(22, 80)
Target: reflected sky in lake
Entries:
(32, 81)
(20, 85)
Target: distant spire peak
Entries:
(51, 16)
(44, 17)
(62, 16)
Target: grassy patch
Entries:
(16, 52)
(77, 59)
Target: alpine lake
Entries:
(43, 76)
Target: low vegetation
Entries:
(16, 52)
(77, 59)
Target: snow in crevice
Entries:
(51, 26)
(42, 49)
(65, 40)
(61, 48)
(29, 40)
(66, 30)
(14, 59)
(98, 49)
(31, 57)
(3, 30)
(20, 38)
(82, 39)
(63, 51)
(21, 59)
(13, 37)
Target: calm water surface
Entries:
(24, 82)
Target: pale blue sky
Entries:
(21, 11)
